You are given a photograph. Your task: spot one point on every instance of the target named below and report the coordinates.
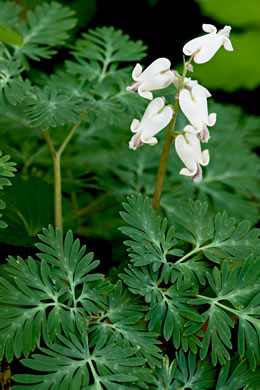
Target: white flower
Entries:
(195, 107)
(156, 76)
(207, 45)
(155, 118)
(191, 155)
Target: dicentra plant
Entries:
(182, 310)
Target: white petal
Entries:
(155, 118)
(211, 119)
(208, 50)
(201, 104)
(205, 158)
(153, 107)
(205, 91)
(159, 65)
(134, 125)
(190, 129)
(209, 28)
(137, 71)
(228, 45)
(144, 93)
(156, 123)
(191, 156)
(195, 44)
(187, 152)
(190, 108)
(151, 141)
(187, 172)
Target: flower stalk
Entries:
(167, 144)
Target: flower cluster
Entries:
(192, 101)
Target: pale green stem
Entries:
(56, 156)
(195, 250)
(167, 146)
(56, 180)
(215, 301)
(68, 138)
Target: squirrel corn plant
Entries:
(183, 310)
(191, 98)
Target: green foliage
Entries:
(239, 288)
(189, 288)
(108, 46)
(46, 26)
(13, 88)
(7, 169)
(49, 108)
(163, 274)
(89, 333)
(237, 375)
(9, 14)
(90, 330)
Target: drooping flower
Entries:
(156, 76)
(195, 107)
(155, 118)
(190, 153)
(207, 45)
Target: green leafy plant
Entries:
(89, 332)
(181, 311)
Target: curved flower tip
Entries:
(156, 76)
(155, 118)
(194, 105)
(190, 153)
(206, 46)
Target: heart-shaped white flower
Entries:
(156, 76)
(189, 151)
(155, 118)
(194, 105)
(207, 45)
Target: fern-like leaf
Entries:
(46, 26)
(71, 364)
(221, 239)
(47, 301)
(185, 373)
(11, 86)
(104, 47)
(123, 322)
(49, 107)
(237, 298)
